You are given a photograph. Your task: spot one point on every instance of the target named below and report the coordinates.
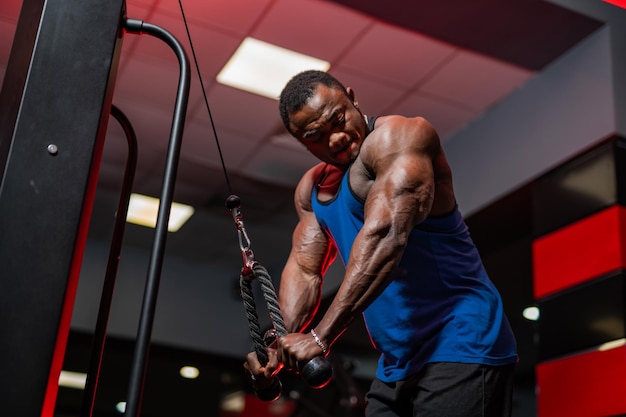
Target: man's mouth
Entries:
(340, 153)
(345, 151)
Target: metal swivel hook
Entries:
(233, 203)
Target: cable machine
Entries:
(41, 179)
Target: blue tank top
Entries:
(440, 305)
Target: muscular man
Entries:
(382, 198)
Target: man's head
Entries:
(324, 116)
(301, 88)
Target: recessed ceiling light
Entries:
(262, 68)
(121, 407)
(143, 210)
(70, 379)
(531, 313)
(189, 372)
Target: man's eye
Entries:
(313, 137)
(317, 138)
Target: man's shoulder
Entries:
(390, 123)
(395, 132)
(302, 197)
(394, 138)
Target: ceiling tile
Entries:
(475, 81)
(373, 96)
(280, 164)
(199, 146)
(242, 111)
(324, 31)
(445, 116)
(237, 17)
(397, 56)
(212, 47)
(196, 183)
(148, 83)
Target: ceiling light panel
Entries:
(262, 68)
(143, 210)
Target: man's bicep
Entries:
(312, 249)
(403, 191)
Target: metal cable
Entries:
(206, 101)
(252, 270)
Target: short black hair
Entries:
(301, 88)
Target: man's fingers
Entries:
(249, 372)
(252, 366)
(273, 366)
(252, 358)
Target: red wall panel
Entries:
(581, 251)
(590, 384)
(257, 408)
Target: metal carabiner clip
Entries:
(246, 250)
(233, 204)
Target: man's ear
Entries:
(352, 96)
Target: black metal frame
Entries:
(50, 150)
(55, 103)
(140, 357)
(106, 298)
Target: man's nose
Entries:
(337, 141)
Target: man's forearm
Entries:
(372, 261)
(299, 300)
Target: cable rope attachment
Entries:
(317, 372)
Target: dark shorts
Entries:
(445, 390)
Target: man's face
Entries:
(330, 126)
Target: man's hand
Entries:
(304, 354)
(264, 379)
(296, 349)
(257, 372)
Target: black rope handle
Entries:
(317, 372)
(248, 274)
(245, 281)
